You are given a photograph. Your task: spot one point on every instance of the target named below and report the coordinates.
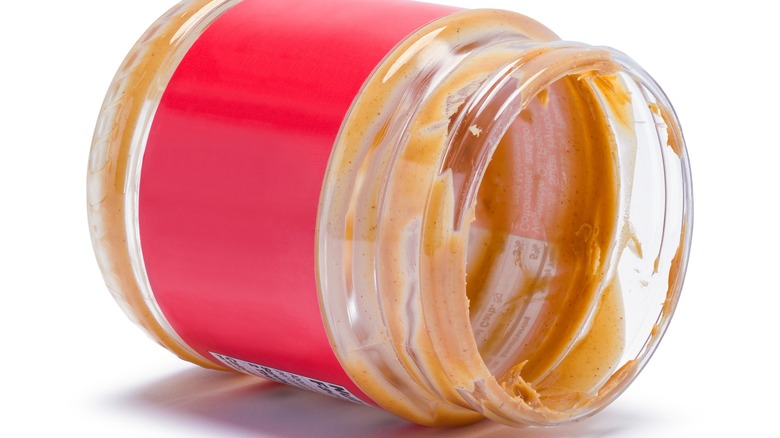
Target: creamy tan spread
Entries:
(442, 338)
(115, 143)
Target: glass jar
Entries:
(450, 214)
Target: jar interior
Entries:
(547, 275)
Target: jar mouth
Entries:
(423, 154)
(509, 211)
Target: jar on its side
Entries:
(452, 215)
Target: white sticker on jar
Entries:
(288, 378)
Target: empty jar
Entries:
(450, 214)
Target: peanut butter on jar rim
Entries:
(449, 214)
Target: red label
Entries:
(233, 168)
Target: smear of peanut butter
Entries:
(450, 340)
(108, 172)
(579, 220)
(673, 139)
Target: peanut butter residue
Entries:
(673, 139)
(114, 144)
(502, 304)
(574, 221)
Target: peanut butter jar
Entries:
(450, 214)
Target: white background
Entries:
(72, 363)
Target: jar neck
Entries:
(463, 157)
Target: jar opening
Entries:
(545, 219)
(585, 195)
(497, 203)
